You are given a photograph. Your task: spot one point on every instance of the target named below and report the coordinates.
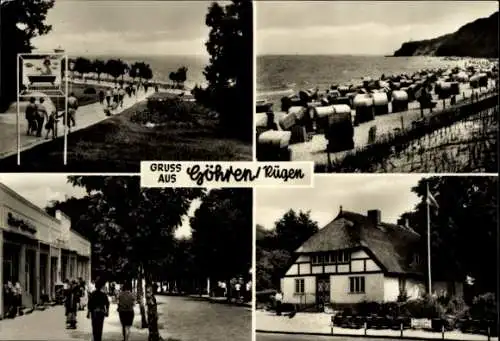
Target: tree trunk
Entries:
(154, 333)
(140, 298)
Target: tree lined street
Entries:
(180, 318)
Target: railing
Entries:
(435, 329)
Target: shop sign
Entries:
(15, 222)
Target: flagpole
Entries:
(429, 239)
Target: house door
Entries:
(322, 290)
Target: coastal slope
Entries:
(476, 39)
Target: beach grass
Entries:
(118, 145)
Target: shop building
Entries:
(38, 250)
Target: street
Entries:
(180, 318)
(292, 337)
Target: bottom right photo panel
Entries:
(406, 256)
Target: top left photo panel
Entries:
(99, 86)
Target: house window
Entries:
(317, 259)
(330, 258)
(357, 285)
(416, 259)
(299, 286)
(343, 257)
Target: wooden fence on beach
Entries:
(458, 139)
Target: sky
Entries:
(123, 28)
(358, 27)
(357, 193)
(41, 189)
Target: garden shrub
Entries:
(426, 307)
(89, 91)
(484, 307)
(175, 109)
(367, 308)
(457, 307)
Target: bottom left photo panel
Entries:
(100, 258)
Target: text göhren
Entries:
(217, 174)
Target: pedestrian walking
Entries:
(71, 305)
(18, 299)
(31, 113)
(9, 299)
(121, 96)
(108, 97)
(156, 88)
(91, 287)
(278, 298)
(101, 97)
(42, 115)
(50, 126)
(115, 95)
(98, 310)
(72, 107)
(126, 303)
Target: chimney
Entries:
(374, 216)
(340, 209)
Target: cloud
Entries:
(359, 193)
(358, 27)
(126, 27)
(41, 188)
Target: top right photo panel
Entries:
(378, 86)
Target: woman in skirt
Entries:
(126, 303)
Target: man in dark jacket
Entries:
(71, 304)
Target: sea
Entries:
(163, 65)
(280, 75)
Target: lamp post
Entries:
(71, 68)
(137, 86)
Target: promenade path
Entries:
(179, 319)
(86, 116)
(50, 325)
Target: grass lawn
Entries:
(118, 145)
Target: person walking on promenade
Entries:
(42, 114)
(115, 95)
(101, 97)
(126, 303)
(72, 107)
(98, 310)
(71, 305)
(108, 97)
(31, 113)
(50, 126)
(121, 96)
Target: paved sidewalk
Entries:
(50, 325)
(320, 324)
(85, 116)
